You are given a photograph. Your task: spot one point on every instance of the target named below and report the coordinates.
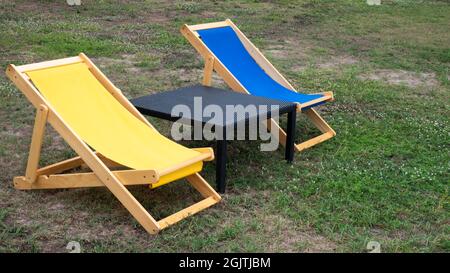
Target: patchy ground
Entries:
(402, 77)
(383, 178)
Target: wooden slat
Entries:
(208, 71)
(312, 102)
(48, 64)
(327, 94)
(318, 121)
(60, 166)
(72, 163)
(178, 216)
(36, 143)
(201, 48)
(313, 141)
(202, 186)
(206, 150)
(209, 25)
(84, 180)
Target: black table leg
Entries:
(290, 135)
(221, 163)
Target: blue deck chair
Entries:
(242, 66)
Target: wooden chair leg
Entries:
(202, 186)
(208, 71)
(36, 143)
(316, 119)
(211, 198)
(313, 141)
(322, 125)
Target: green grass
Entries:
(384, 177)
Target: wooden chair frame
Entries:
(50, 177)
(212, 63)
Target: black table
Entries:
(161, 104)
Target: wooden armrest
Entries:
(206, 150)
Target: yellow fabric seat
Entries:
(105, 125)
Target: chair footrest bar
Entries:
(178, 216)
(84, 180)
(313, 141)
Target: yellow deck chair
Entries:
(106, 131)
(244, 68)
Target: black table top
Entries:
(161, 105)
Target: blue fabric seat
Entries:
(228, 48)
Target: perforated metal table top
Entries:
(161, 105)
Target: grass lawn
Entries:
(384, 177)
